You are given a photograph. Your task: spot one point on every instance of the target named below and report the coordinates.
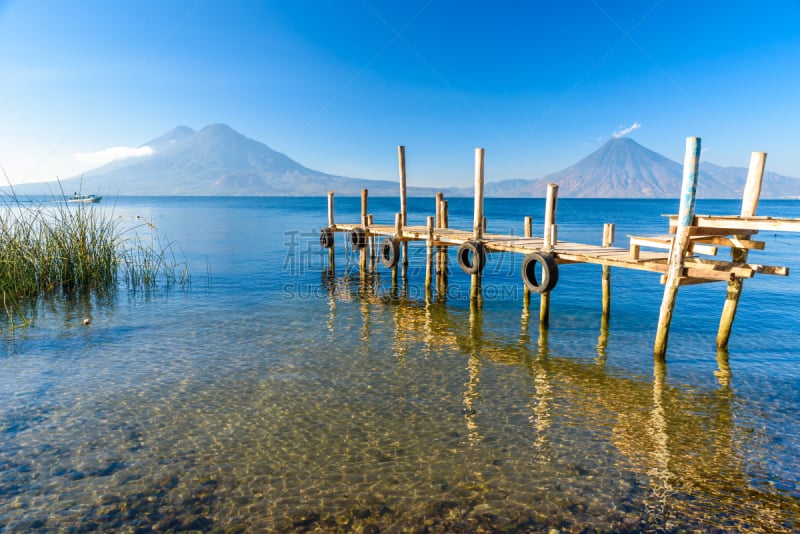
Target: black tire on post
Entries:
(390, 252)
(549, 272)
(326, 238)
(472, 257)
(358, 238)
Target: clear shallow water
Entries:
(275, 396)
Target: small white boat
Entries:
(83, 198)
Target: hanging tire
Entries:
(390, 252)
(549, 272)
(472, 257)
(358, 238)
(326, 238)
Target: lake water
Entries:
(274, 395)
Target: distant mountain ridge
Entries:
(218, 161)
(622, 168)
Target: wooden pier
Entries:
(685, 255)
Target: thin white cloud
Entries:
(96, 159)
(625, 131)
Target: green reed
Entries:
(55, 246)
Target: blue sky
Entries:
(337, 85)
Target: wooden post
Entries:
(401, 163)
(750, 197)
(550, 216)
(429, 259)
(438, 222)
(372, 248)
(398, 234)
(331, 224)
(602, 340)
(680, 244)
(477, 224)
(364, 225)
(549, 242)
(444, 258)
(608, 240)
(527, 230)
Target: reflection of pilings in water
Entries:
(329, 276)
(541, 417)
(656, 429)
(723, 373)
(541, 344)
(541, 410)
(662, 478)
(602, 340)
(365, 288)
(524, 336)
(473, 366)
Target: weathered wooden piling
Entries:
(429, 258)
(550, 240)
(331, 223)
(602, 339)
(680, 244)
(372, 245)
(401, 164)
(750, 197)
(365, 226)
(527, 231)
(442, 256)
(477, 226)
(398, 232)
(608, 240)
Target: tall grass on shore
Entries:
(54, 246)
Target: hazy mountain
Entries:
(217, 160)
(622, 168)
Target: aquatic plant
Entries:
(48, 246)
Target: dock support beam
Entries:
(429, 260)
(679, 245)
(608, 240)
(364, 225)
(401, 164)
(442, 253)
(527, 231)
(331, 224)
(398, 234)
(750, 197)
(550, 238)
(602, 339)
(477, 225)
